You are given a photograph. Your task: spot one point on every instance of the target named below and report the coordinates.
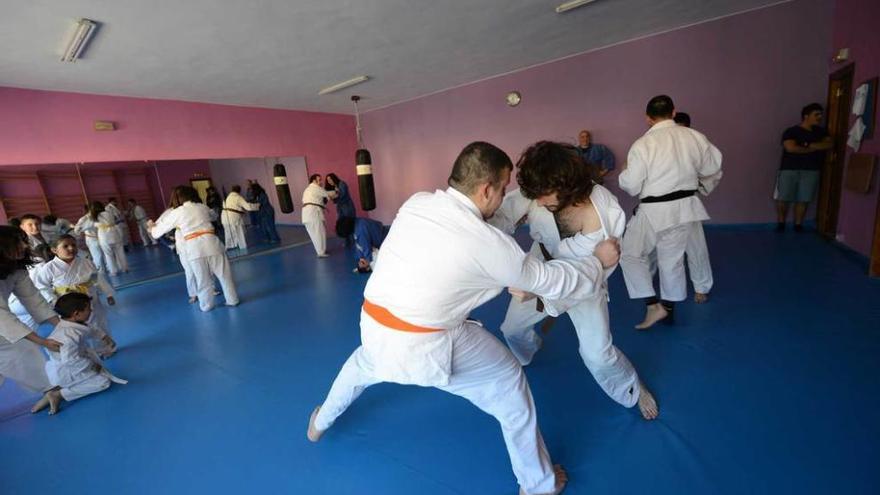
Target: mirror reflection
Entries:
(106, 207)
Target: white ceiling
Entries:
(279, 53)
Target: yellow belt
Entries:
(80, 288)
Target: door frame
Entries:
(837, 111)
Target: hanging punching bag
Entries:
(365, 179)
(282, 189)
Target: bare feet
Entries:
(655, 313)
(314, 433)
(193, 299)
(561, 480)
(700, 298)
(52, 399)
(647, 403)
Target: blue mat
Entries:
(771, 387)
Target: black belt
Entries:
(674, 195)
(539, 304)
(684, 193)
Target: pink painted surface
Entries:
(743, 79)
(855, 27)
(45, 127)
(237, 171)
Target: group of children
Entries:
(42, 270)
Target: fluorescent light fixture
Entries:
(573, 4)
(344, 84)
(85, 28)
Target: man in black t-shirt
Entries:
(803, 153)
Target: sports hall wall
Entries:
(855, 27)
(743, 79)
(48, 127)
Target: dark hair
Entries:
(15, 222)
(31, 216)
(11, 239)
(478, 163)
(345, 226)
(111, 199)
(95, 209)
(257, 190)
(660, 106)
(812, 107)
(547, 167)
(182, 194)
(50, 219)
(313, 177)
(682, 118)
(65, 237)
(72, 302)
(132, 200)
(334, 178)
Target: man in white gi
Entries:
(665, 168)
(697, 252)
(568, 216)
(139, 215)
(232, 218)
(314, 200)
(413, 321)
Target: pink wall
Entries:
(51, 127)
(743, 79)
(855, 27)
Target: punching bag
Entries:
(282, 189)
(365, 179)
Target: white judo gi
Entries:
(53, 232)
(235, 207)
(21, 359)
(608, 365)
(88, 228)
(121, 224)
(73, 368)
(440, 261)
(314, 198)
(139, 215)
(202, 249)
(57, 277)
(110, 240)
(669, 158)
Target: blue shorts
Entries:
(796, 186)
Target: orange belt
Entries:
(385, 318)
(198, 233)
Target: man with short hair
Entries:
(414, 326)
(803, 153)
(314, 201)
(665, 169)
(597, 154)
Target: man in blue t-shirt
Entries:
(597, 154)
(803, 153)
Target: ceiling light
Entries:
(85, 28)
(344, 84)
(573, 4)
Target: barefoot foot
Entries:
(700, 298)
(655, 313)
(314, 434)
(561, 481)
(51, 398)
(647, 403)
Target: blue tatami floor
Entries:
(770, 388)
